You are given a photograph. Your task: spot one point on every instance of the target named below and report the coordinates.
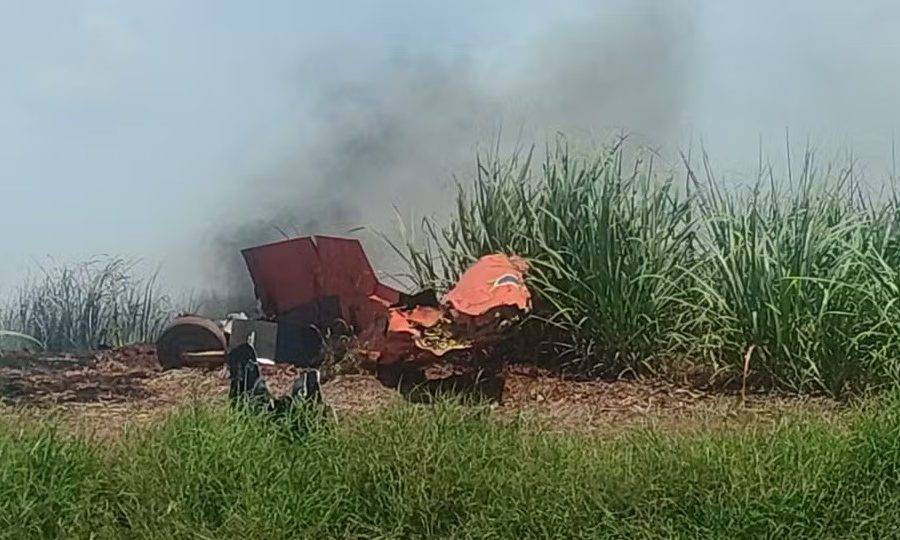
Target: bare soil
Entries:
(106, 392)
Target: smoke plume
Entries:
(395, 129)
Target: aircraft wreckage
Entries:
(310, 286)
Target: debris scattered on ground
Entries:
(107, 391)
(561, 403)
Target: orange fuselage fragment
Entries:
(494, 281)
(491, 291)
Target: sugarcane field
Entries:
(612, 269)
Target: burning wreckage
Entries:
(313, 285)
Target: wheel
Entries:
(190, 334)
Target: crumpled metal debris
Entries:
(315, 286)
(489, 297)
(494, 281)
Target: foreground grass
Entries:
(450, 471)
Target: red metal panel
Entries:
(286, 274)
(387, 294)
(347, 273)
(294, 272)
(346, 267)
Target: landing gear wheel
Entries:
(186, 335)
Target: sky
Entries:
(179, 132)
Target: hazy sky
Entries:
(156, 128)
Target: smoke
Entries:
(394, 128)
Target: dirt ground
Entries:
(106, 392)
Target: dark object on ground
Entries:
(246, 378)
(191, 341)
(248, 386)
(480, 385)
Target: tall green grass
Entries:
(801, 272)
(789, 283)
(450, 471)
(103, 301)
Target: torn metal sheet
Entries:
(489, 297)
(297, 273)
(285, 274)
(494, 281)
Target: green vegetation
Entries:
(452, 471)
(84, 305)
(638, 269)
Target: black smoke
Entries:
(395, 129)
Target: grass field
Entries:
(452, 471)
(81, 306)
(790, 282)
